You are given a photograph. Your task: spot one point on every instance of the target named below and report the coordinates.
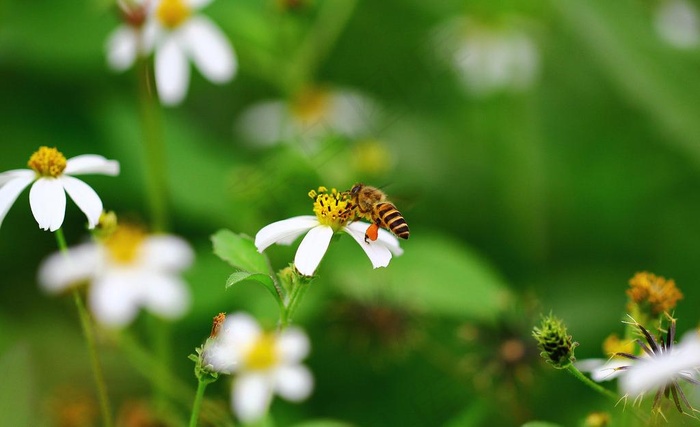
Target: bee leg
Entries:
(372, 233)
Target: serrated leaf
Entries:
(263, 279)
(239, 251)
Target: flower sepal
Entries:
(203, 372)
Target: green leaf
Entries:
(435, 275)
(16, 387)
(474, 415)
(263, 279)
(239, 251)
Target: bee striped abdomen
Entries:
(387, 216)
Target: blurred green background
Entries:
(548, 196)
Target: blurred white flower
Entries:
(315, 112)
(662, 366)
(133, 38)
(126, 270)
(52, 176)
(181, 34)
(264, 363)
(602, 369)
(331, 216)
(487, 59)
(678, 23)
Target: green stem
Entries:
(299, 289)
(154, 148)
(89, 333)
(147, 365)
(94, 360)
(600, 389)
(197, 405)
(592, 384)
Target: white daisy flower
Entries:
(131, 39)
(487, 59)
(332, 215)
(52, 176)
(677, 22)
(126, 270)
(264, 363)
(313, 113)
(662, 366)
(182, 34)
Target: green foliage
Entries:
(239, 251)
(17, 386)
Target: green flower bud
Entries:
(556, 346)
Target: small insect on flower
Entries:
(371, 203)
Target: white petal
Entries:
(678, 23)
(293, 345)
(266, 123)
(603, 369)
(91, 163)
(172, 72)
(312, 248)
(114, 299)
(58, 271)
(220, 356)
(240, 330)
(654, 372)
(85, 197)
(390, 241)
(198, 4)
(121, 48)
(377, 251)
(48, 202)
(10, 175)
(166, 253)
(209, 49)
(294, 382)
(284, 232)
(167, 296)
(352, 113)
(251, 396)
(11, 189)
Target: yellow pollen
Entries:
(655, 291)
(311, 105)
(613, 344)
(124, 243)
(172, 13)
(47, 162)
(331, 209)
(263, 353)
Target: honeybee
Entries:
(371, 203)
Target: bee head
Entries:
(356, 188)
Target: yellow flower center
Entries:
(331, 209)
(655, 291)
(263, 354)
(47, 162)
(311, 105)
(124, 243)
(613, 344)
(172, 13)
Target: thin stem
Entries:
(154, 148)
(147, 366)
(197, 405)
(600, 389)
(89, 334)
(88, 331)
